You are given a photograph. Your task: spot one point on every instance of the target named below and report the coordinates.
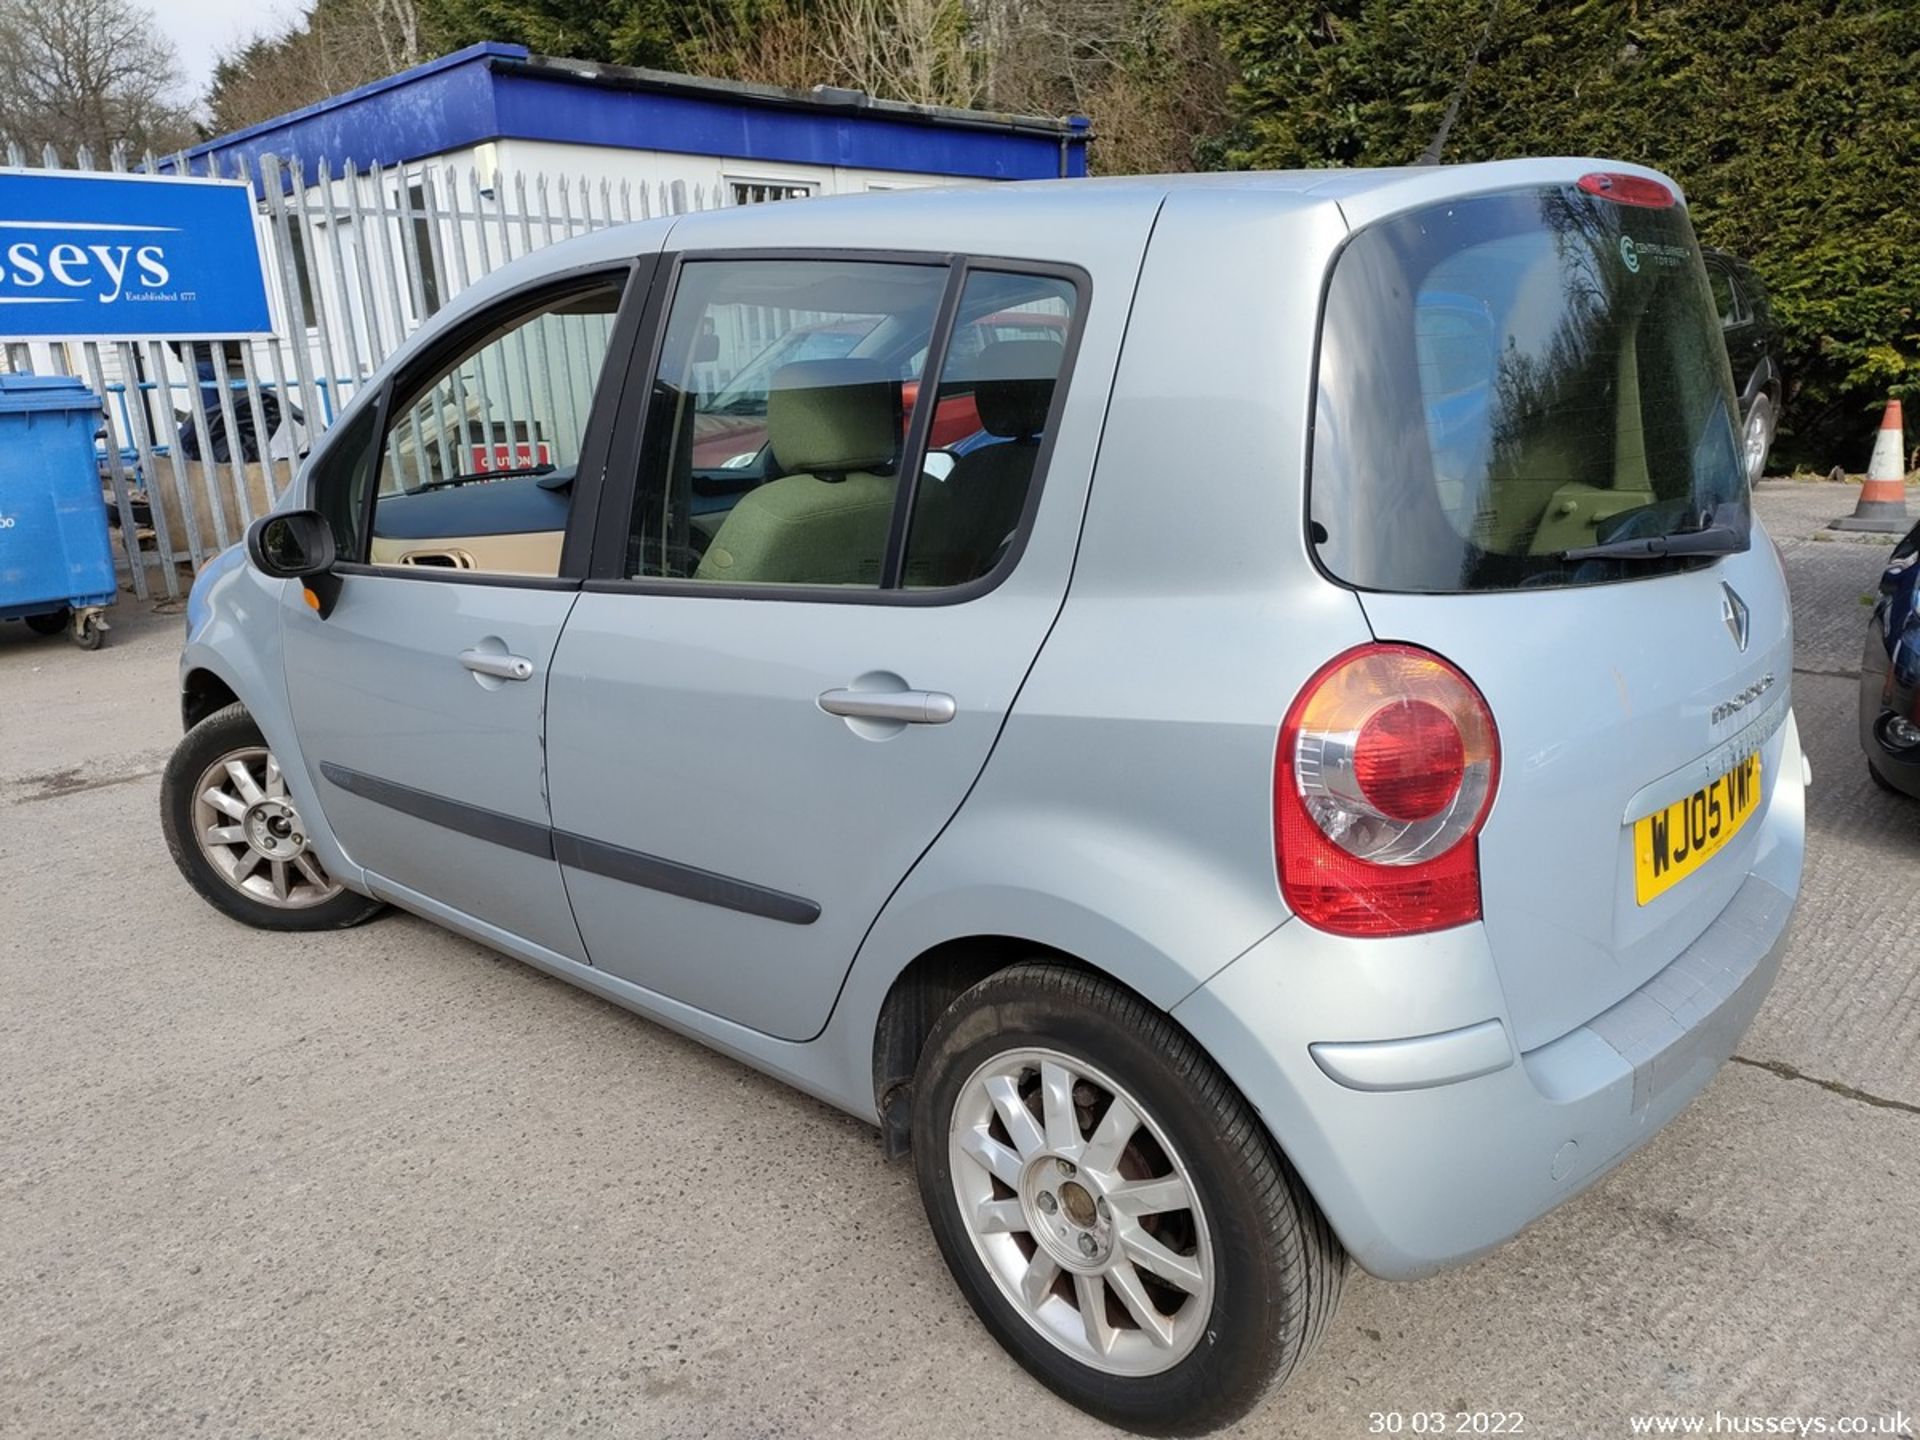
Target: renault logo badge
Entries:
(1733, 610)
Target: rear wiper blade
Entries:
(1709, 540)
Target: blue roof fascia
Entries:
(536, 104)
(442, 105)
(497, 91)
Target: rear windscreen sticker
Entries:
(1636, 253)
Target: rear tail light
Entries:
(1627, 189)
(1386, 769)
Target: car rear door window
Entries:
(793, 396)
(777, 419)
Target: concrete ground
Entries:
(387, 1183)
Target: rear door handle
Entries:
(914, 707)
(504, 667)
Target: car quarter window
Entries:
(1726, 296)
(788, 393)
(476, 456)
(1722, 285)
(997, 386)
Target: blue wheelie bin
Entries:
(56, 562)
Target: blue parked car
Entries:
(1890, 675)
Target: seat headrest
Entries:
(833, 416)
(1015, 386)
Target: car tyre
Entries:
(1881, 782)
(236, 836)
(1051, 1052)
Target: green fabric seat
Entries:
(834, 425)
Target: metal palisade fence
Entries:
(199, 438)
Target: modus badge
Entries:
(1729, 708)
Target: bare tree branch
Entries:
(1149, 72)
(336, 46)
(93, 73)
(1431, 155)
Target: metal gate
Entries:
(201, 438)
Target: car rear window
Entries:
(1509, 377)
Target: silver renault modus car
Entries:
(1243, 720)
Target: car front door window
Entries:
(477, 455)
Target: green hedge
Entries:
(1794, 127)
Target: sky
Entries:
(200, 29)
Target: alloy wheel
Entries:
(247, 827)
(1082, 1211)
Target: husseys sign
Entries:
(102, 257)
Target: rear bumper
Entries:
(1417, 1171)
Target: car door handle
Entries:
(914, 707)
(505, 667)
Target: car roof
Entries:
(1055, 208)
(1083, 221)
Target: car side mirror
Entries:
(297, 545)
(291, 545)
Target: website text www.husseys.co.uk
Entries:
(1722, 1423)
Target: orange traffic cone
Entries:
(1883, 498)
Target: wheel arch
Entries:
(201, 693)
(925, 986)
(210, 680)
(928, 984)
(1150, 918)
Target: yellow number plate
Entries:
(1671, 844)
